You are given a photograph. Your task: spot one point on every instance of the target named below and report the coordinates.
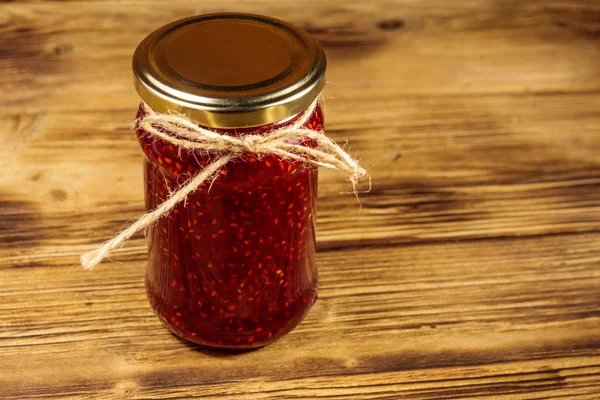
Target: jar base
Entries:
(223, 349)
(191, 332)
(244, 345)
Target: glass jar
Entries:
(233, 266)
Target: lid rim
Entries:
(239, 109)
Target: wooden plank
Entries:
(518, 166)
(55, 52)
(514, 318)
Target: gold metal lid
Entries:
(230, 70)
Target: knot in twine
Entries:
(285, 142)
(250, 144)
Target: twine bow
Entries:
(181, 132)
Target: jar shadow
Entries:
(214, 351)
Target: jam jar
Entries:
(232, 266)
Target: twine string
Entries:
(179, 131)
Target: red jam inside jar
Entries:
(234, 265)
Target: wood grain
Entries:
(471, 271)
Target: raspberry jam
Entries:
(234, 265)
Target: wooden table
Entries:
(472, 270)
